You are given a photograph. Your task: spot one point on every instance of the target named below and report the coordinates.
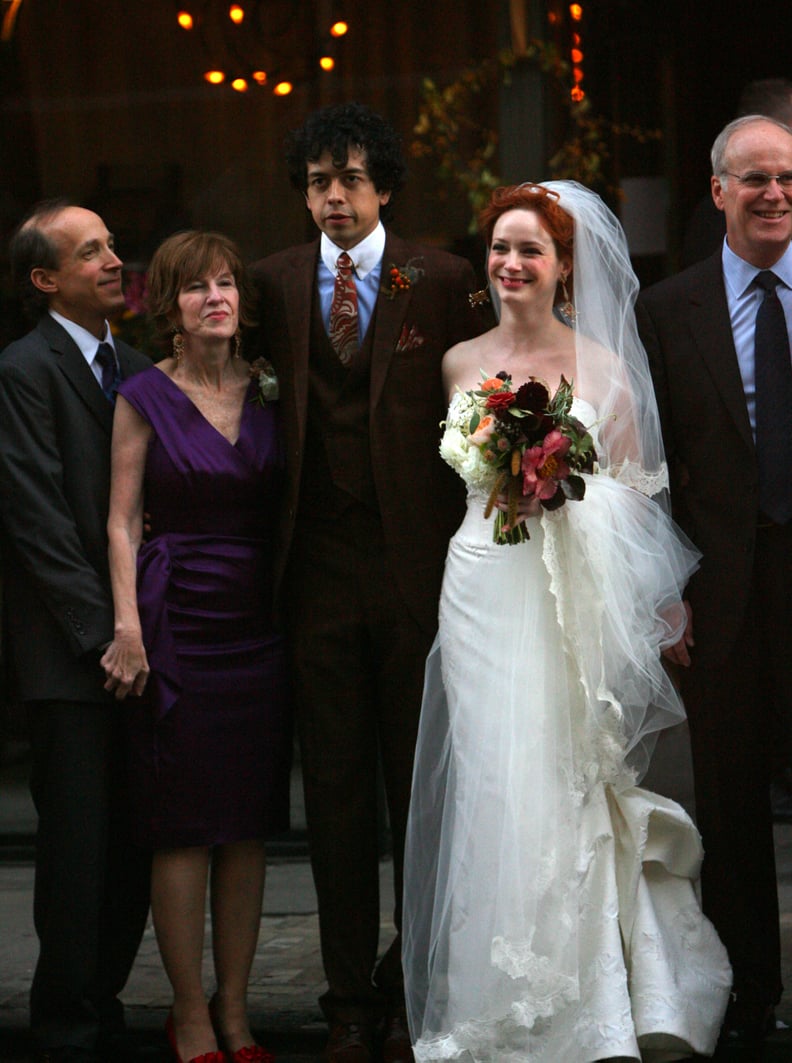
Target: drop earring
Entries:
(567, 308)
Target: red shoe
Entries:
(252, 1054)
(248, 1054)
(207, 1057)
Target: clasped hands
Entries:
(126, 666)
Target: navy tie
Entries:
(773, 370)
(111, 377)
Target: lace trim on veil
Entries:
(633, 475)
(606, 724)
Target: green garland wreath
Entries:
(465, 149)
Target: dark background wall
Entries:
(103, 100)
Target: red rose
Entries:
(500, 400)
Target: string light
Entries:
(238, 13)
(576, 55)
(9, 18)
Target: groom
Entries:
(356, 324)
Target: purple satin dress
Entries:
(210, 742)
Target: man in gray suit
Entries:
(717, 336)
(56, 412)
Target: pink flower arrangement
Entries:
(543, 466)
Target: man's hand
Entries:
(678, 653)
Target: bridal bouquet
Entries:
(520, 443)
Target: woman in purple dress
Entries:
(196, 447)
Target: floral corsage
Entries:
(263, 373)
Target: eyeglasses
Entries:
(760, 179)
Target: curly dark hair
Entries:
(337, 129)
(32, 247)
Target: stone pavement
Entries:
(287, 974)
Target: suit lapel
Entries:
(711, 329)
(77, 371)
(299, 284)
(389, 317)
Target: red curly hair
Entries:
(530, 197)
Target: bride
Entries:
(551, 908)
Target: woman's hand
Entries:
(527, 506)
(126, 666)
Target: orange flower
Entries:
(483, 433)
(491, 385)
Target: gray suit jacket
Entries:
(55, 428)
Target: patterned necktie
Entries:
(111, 377)
(344, 311)
(773, 370)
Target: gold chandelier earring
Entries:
(178, 346)
(567, 308)
(237, 344)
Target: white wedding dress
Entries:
(551, 909)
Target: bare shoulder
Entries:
(462, 363)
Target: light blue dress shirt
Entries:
(367, 262)
(744, 297)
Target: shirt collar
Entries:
(740, 275)
(85, 340)
(365, 256)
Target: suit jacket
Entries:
(55, 427)
(684, 324)
(420, 500)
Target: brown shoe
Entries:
(397, 1047)
(350, 1043)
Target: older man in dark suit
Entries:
(356, 324)
(56, 410)
(717, 336)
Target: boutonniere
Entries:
(410, 339)
(402, 278)
(263, 373)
